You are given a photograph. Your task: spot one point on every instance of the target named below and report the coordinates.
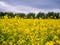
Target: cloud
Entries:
(41, 4)
(17, 9)
(23, 8)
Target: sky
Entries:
(27, 6)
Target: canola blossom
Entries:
(19, 31)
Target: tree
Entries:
(52, 15)
(9, 14)
(31, 15)
(40, 15)
(1, 14)
(21, 15)
(57, 15)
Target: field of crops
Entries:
(17, 31)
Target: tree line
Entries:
(42, 15)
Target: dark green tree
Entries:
(2, 15)
(31, 15)
(40, 15)
(52, 15)
(56, 15)
(10, 14)
(21, 15)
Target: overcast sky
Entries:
(27, 6)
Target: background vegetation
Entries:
(51, 15)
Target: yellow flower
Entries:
(50, 43)
(58, 32)
(29, 31)
(58, 42)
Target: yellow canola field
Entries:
(17, 31)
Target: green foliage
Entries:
(40, 15)
(30, 15)
(51, 15)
